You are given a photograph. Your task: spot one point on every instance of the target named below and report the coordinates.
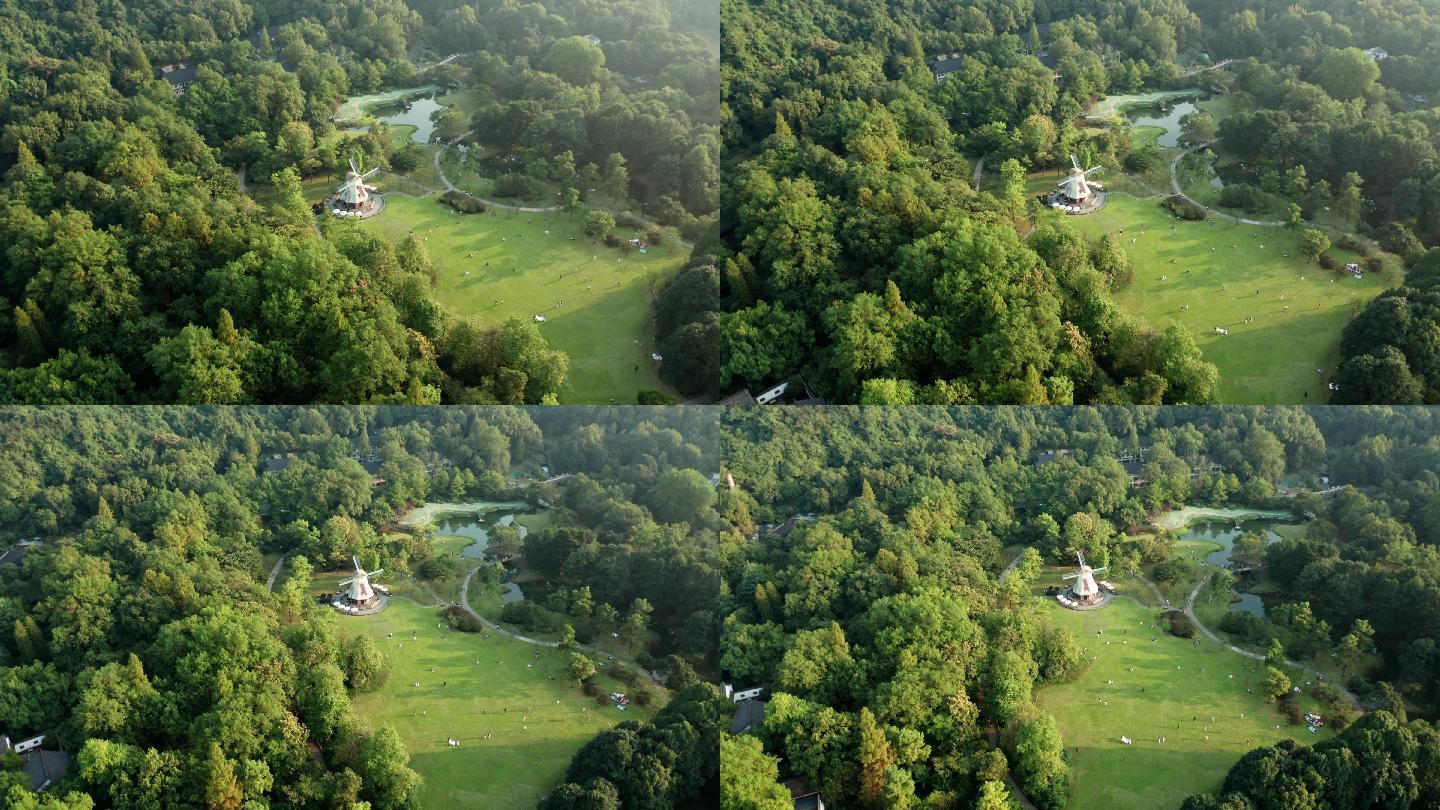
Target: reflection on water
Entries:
(1226, 534)
(417, 116)
(1167, 118)
(461, 524)
(476, 526)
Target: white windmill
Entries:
(1077, 186)
(354, 195)
(1085, 588)
(360, 592)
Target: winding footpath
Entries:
(1311, 671)
(1175, 184)
(275, 572)
(1210, 634)
(440, 172)
(465, 605)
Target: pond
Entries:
(476, 526)
(420, 115)
(1165, 116)
(1225, 534)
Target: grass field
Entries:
(518, 269)
(537, 723)
(1164, 696)
(1272, 360)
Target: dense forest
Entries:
(141, 636)
(866, 261)
(136, 271)
(861, 590)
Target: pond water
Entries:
(418, 116)
(475, 526)
(1165, 116)
(1225, 534)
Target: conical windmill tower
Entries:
(1077, 187)
(354, 195)
(1085, 588)
(360, 592)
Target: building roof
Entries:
(947, 65)
(802, 793)
(592, 39)
(13, 555)
(748, 714)
(1133, 467)
(741, 397)
(179, 75)
(278, 463)
(46, 767)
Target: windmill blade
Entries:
(346, 582)
(1096, 169)
(1098, 570)
(367, 174)
(1070, 576)
(353, 168)
(356, 560)
(1074, 161)
(376, 572)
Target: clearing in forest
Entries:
(596, 300)
(1175, 689)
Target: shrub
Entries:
(1182, 207)
(515, 185)
(530, 616)
(1290, 707)
(462, 202)
(641, 695)
(1178, 623)
(461, 620)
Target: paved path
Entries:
(993, 735)
(440, 172)
(1309, 670)
(979, 172)
(240, 178)
(275, 572)
(1175, 185)
(1216, 66)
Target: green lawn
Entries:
(605, 324)
(1272, 360)
(1162, 697)
(537, 723)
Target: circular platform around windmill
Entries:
(379, 603)
(335, 207)
(1089, 205)
(1104, 598)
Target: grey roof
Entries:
(274, 465)
(371, 465)
(1133, 467)
(182, 75)
(748, 714)
(13, 555)
(944, 67)
(741, 397)
(46, 767)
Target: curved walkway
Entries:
(1309, 670)
(1175, 185)
(440, 172)
(275, 572)
(465, 605)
